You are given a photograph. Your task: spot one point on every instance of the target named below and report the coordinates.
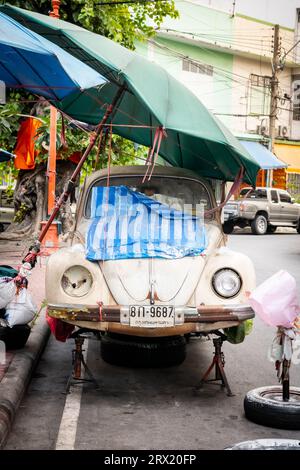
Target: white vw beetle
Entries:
(150, 301)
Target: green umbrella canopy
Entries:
(196, 139)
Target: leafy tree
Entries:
(122, 22)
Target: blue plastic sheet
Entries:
(127, 224)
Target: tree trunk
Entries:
(30, 200)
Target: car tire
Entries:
(228, 227)
(271, 229)
(259, 225)
(298, 227)
(15, 337)
(267, 444)
(132, 351)
(264, 406)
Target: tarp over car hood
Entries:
(127, 224)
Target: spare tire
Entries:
(265, 406)
(133, 351)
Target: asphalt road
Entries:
(158, 409)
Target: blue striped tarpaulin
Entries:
(127, 224)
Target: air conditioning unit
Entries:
(262, 130)
(283, 131)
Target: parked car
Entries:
(150, 303)
(6, 208)
(263, 209)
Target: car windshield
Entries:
(253, 193)
(178, 193)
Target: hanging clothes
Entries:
(25, 149)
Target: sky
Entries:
(282, 12)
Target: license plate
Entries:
(151, 316)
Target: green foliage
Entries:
(124, 23)
(10, 116)
(121, 151)
(21, 213)
(236, 334)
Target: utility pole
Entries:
(276, 67)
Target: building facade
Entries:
(225, 58)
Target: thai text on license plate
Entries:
(151, 316)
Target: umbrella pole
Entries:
(64, 197)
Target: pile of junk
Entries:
(17, 309)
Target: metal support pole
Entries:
(51, 168)
(285, 379)
(276, 64)
(70, 185)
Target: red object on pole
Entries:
(55, 5)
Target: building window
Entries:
(293, 184)
(189, 65)
(296, 100)
(284, 197)
(274, 196)
(259, 97)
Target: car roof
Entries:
(140, 170)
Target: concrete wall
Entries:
(274, 11)
(235, 47)
(214, 91)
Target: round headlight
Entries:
(76, 281)
(226, 283)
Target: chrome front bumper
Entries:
(120, 314)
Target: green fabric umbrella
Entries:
(195, 139)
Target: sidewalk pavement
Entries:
(19, 365)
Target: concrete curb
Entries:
(18, 375)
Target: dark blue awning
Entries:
(266, 159)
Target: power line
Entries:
(217, 70)
(131, 2)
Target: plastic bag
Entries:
(236, 334)
(276, 300)
(21, 309)
(7, 291)
(60, 329)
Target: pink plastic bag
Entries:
(276, 300)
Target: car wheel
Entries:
(265, 406)
(298, 227)
(259, 225)
(131, 351)
(228, 227)
(267, 444)
(271, 229)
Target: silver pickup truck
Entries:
(263, 209)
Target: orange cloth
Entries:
(25, 151)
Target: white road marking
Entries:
(69, 421)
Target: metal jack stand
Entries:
(77, 363)
(218, 362)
